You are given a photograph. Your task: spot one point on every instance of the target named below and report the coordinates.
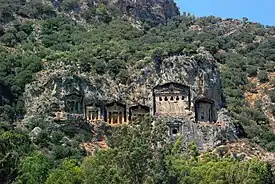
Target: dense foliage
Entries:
(139, 153)
(33, 33)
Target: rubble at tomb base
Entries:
(185, 93)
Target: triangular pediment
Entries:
(171, 88)
(115, 107)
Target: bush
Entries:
(272, 95)
(252, 71)
(2, 31)
(258, 104)
(270, 65)
(60, 152)
(262, 76)
(272, 107)
(70, 5)
(251, 87)
(56, 137)
(272, 82)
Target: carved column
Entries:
(107, 116)
(122, 117)
(98, 115)
(112, 118)
(78, 107)
(74, 106)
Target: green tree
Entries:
(13, 146)
(103, 168)
(67, 173)
(188, 168)
(34, 169)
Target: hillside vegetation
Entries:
(99, 40)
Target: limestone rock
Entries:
(135, 11)
(205, 135)
(157, 11)
(35, 133)
(200, 73)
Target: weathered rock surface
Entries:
(205, 135)
(200, 73)
(157, 11)
(136, 11)
(35, 133)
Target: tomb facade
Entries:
(93, 112)
(115, 113)
(175, 129)
(204, 110)
(137, 111)
(171, 99)
(74, 104)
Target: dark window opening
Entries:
(115, 118)
(172, 98)
(182, 98)
(166, 99)
(175, 131)
(202, 117)
(177, 98)
(160, 99)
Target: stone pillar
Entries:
(89, 116)
(74, 106)
(107, 116)
(118, 118)
(78, 107)
(112, 118)
(98, 115)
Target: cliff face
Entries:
(157, 11)
(47, 94)
(136, 11)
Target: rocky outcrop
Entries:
(53, 84)
(205, 135)
(155, 11)
(136, 11)
(199, 72)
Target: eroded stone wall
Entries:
(204, 112)
(200, 75)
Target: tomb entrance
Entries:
(115, 113)
(171, 99)
(138, 111)
(204, 110)
(73, 104)
(93, 112)
(175, 129)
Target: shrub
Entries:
(272, 107)
(2, 31)
(69, 5)
(263, 77)
(251, 87)
(252, 71)
(258, 104)
(272, 82)
(272, 95)
(270, 65)
(56, 137)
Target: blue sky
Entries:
(262, 11)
